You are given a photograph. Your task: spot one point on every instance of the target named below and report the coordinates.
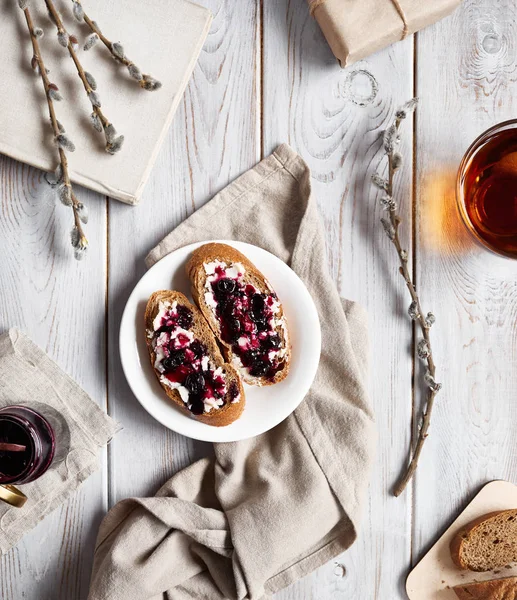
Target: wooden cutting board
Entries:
(435, 575)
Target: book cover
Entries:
(162, 37)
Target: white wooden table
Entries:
(266, 76)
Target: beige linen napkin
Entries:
(268, 510)
(29, 377)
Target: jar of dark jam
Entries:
(27, 447)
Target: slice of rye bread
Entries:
(197, 275)
(494, 589)
(486, 543)
(229, 412)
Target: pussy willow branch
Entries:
(424, 350)
(147, 82)
(100, 121)
(79, 241)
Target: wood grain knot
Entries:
(360, 87)
(491, 43)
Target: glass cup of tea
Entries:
(27, 447)
(486, 189)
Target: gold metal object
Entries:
(12, 495)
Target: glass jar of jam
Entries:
(27, 447)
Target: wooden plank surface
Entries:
(266, 76)
(467, 81)
(332, 118)
(60, 304)
(213, 139)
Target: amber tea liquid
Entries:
(487, 189)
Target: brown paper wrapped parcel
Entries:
(357, 28)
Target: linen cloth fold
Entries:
(265, 511)
(29, 377)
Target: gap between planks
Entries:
(106, 352)
(260, 76)
(414, 368)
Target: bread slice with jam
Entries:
(188, 363)
(243, 311)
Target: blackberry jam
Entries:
(248, 319)
(184, 363)
(27, 445)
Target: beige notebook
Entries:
(162, 37)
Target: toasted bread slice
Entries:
(188, 363)
(486, 543)
(243, 311)
(494, 589)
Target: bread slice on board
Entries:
(243, 311)
(188, 363)
(494, 589)
(486, 543)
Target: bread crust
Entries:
(196, 273)
(461, 537)
(494, 589)
(220, 417)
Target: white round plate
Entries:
(265, 407)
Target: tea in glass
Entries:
(487, 189)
